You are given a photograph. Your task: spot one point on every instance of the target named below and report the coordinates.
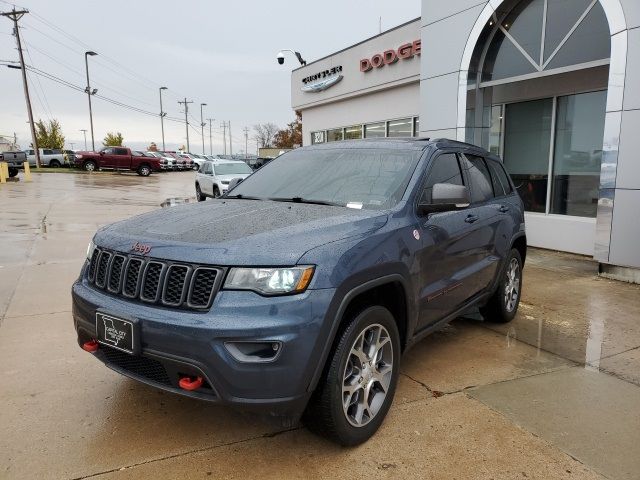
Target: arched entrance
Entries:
(537, 80)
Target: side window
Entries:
(498, 189)
(120, 151)
(47, 152)
(498, 171)
(108, 151)
(479, 178)
(445, 169)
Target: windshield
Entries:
(231, 168)
(359, 178)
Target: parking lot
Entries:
(553, 394)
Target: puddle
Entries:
(172, 202)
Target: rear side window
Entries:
(480, 179)
(445, 169)
(121, 151)
(500, 176)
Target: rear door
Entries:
(122, 158)
(446, 257)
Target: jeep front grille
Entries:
(154, 281)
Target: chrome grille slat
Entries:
(154, 281)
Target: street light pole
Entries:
(202, 124)
(84, 130)
(210, 120)
(89, 93)
(162, 114)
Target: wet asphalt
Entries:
(553, 394)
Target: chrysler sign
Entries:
(322, 80)
(388, 57)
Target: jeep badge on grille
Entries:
(141, 248)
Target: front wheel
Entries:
(89, 166)
(357, 389)
(144, 170)
(503, 305)
(199, 195)
(216, 192)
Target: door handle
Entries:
(503, 209)
(471, 218)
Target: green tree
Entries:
(113, 140)
(49, 134)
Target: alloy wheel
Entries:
(512, 285)
(367, 375)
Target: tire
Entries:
(54, 164)
(216, 192)
(89, 166)
(345, 377)
(195, 167)
(199, 195)
(13, 172)
(503, 305)
(144, 170)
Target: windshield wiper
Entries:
(242, 197)
(306, 200)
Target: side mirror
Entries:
(234, 182)
(102, 153)
(446, 197)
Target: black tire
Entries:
(503, 305)
(216, 192)
(195, 167)
(90, 166)
(54, 164)
(201, 197)
(13, 172)
(144, 170)
(325, 414)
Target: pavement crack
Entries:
(189, 452)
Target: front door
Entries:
(108, 158)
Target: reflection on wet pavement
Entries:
(476, 400)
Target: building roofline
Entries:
(356, 44)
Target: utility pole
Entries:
(230, 140)
(224, 135)
(89, 93)
(72, 144)
(84, 130)
(16, 15)
(162, 115)
(210, 120)
(246, 141)
(202, 124)
(186, 119)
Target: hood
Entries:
(239, 232)
(232, 176)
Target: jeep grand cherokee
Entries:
(298, 292)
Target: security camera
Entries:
(280, 58)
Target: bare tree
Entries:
(265, 133)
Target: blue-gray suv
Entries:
(298, 291)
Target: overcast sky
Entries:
(219, 53)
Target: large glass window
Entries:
(401, 128)
(317, 137)
(416, 127)
(334, 135)
(578, 152)
(526, 150)
(375, 130)
(495, 130)
(353, 133)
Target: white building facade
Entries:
(552, 86)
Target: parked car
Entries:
(195, 161)
(166, 162)
(119, 158)
(15, 161)
(212, 179)
(48, 157)
(301, 289)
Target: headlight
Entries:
(90, 249)
(270, 281)
(224, 182)
(78, 156)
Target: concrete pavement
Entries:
(526, 400)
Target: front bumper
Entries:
(175, 343)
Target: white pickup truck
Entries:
(48, 157)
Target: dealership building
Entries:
(552, 86)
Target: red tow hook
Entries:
(190, 383)
(91, 346)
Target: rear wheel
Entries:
(144, 170)
(89, 166)
(54, 164)
(199, 195)
(13, 172)
(357, 389)
(503, 305)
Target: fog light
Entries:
(254, 352)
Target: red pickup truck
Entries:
(118, 158)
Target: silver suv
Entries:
(213, 177)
